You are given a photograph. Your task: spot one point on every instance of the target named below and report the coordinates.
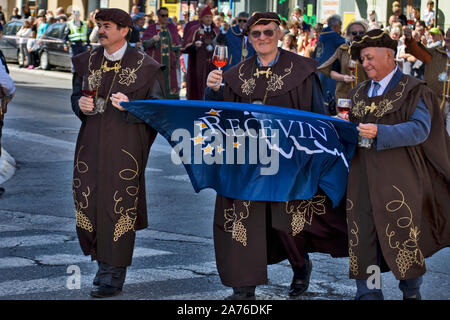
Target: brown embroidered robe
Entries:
(398, 197)
(343, 56)
(111, 154)
(200, 59)
(248, 235)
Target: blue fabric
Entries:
(410, 133)
(329, 41)
(308, 159)
(234, 44)
(376, 87)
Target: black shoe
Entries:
(2, 191)
(414, 297)
(96, 282)
(300, 285)
(243, 293)
(105, 291)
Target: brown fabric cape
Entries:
(165, 52)
(342, 88)
(110, 158)
(399, 197)
(248, 235)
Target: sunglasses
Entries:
(163, 15)
(242, 20)
(257, 34)
(358, 33)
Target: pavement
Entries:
(7, 166)
(7, 162)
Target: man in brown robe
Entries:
(249, 235)
(398, 194)
(198, 44)
(112, 148)
(437, 63)
(162, 43)
(339, 67)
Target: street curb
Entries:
(7, 166)
(39, 72)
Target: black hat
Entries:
(262, 18)
(373, 38)
(118, 16)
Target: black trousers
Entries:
(110, 275)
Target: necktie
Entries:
(376, 87)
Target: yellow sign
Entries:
(173, 7)
(348, 17)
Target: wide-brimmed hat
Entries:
(262, 18)
(118, 16)
(373, 38)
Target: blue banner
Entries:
(254, 152)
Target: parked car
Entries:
(8, 42)
(52, 51)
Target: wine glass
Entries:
(352, 65)
(89, 91)
(220, 57)
(343, 105)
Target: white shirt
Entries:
(117, 55)
(428, 16)
(207, 28)
(383, 83)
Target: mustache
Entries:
(101, 36)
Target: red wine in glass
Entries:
(343, 105)
(352, 65)
(220, 62)
(220, 57)
(89, 91)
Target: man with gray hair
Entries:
(330, 40)
(397, 194)
(239, 48)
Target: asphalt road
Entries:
(174, 257)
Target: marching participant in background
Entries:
(162, 42)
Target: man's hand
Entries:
(198, 43)
(86, 104)
(343, 116)
(117, 98)
(156, 38)
(348, 79)
(367, 130)
(214, 79)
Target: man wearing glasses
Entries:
(239, 48)
(340, 67)
(162, 42)
(279, 78)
